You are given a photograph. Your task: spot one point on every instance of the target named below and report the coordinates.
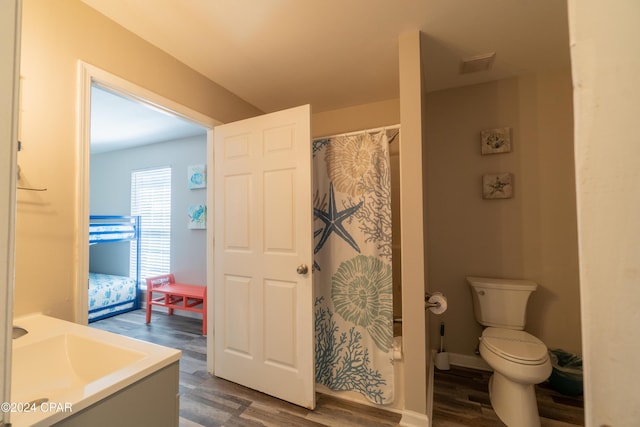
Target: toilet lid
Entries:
(516, 346)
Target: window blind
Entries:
(151, 200)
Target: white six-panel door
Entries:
(264, 331)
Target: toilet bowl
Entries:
(519, 360)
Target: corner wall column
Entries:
(412, 231)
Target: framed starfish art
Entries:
(497, 186)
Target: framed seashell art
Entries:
(496, 141)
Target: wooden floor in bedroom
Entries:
(460, 394)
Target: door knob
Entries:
(302, 269)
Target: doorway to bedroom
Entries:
(140, 164)
(147, 201)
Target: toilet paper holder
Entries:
(435, 303)
(429, 304)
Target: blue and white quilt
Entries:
(109, 294)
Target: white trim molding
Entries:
(87, 76)
(414, 419)
(468, 361)
(10, 12)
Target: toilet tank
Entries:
(501, 302)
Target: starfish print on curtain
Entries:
(332, 220)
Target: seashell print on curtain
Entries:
(354, 298)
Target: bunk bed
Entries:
(111, 294)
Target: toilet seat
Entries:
(515, 346)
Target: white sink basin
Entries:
(75, 366)
(46, 368)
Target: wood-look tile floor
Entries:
(461, 398)
(460, 395)
(206, 400)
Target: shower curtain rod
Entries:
(362, 131)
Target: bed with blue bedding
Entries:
(111, 294)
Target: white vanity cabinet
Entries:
(152, 401)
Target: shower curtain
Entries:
(352, 265)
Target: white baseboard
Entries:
(417, 419)
(430, 384)
(468, 361)
(414, 419)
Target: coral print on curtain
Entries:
(354, 306)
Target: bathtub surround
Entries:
(353, 251)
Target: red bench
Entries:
(176, 296)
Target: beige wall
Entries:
(534, 234)
(606, 66)
(359, 117)
(56, 34)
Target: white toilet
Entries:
(518, 359)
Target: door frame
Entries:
(87, 76)
(10, 12)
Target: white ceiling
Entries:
(118, 123)
(277, 54)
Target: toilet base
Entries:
(514, 403)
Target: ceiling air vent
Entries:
(477, 63)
